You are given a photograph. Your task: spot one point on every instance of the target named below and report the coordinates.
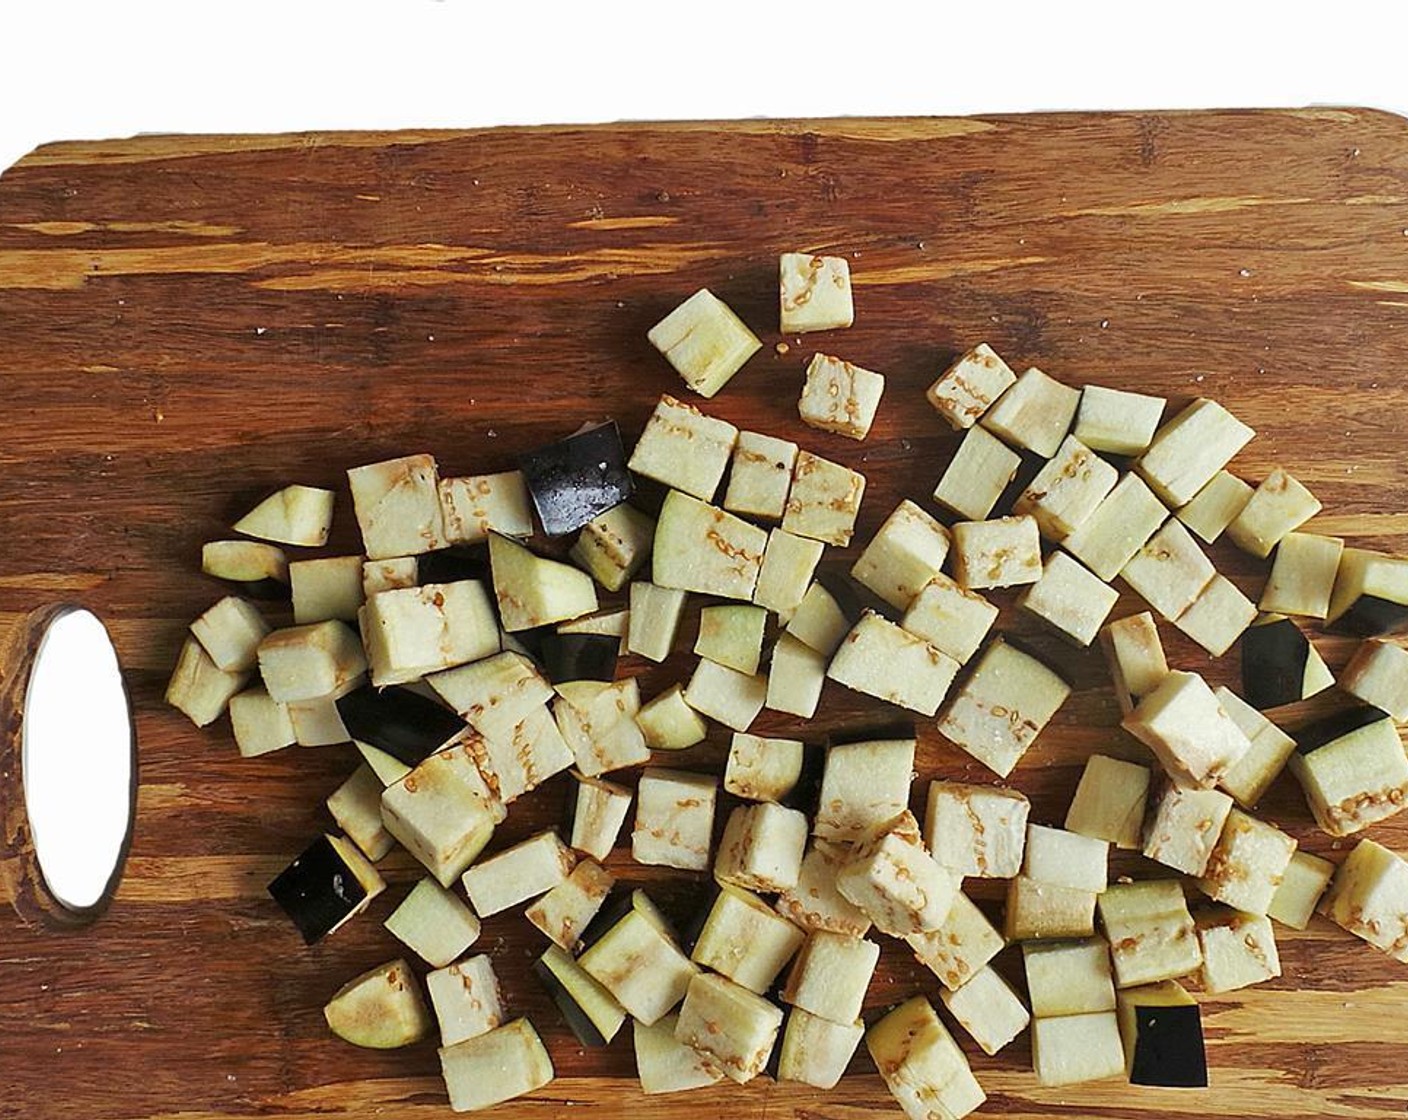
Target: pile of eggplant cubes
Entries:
(469, 669)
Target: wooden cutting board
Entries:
(189, 322)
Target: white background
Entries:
(79, 70)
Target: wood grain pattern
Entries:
(190, 322)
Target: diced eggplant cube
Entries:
(299, 515)
(988, 1009)
(329, 883)
(665, 1065)
(434, 924)
(1218, 617)
(894, 880)
(306, 662)
(1353, 771)
(684, 449)
(907, 551)
(523, 758)
(416, 631)
(534, 591)
(1184, 826)
(814, 293)
(731, 1026)
(1069, 599)
(598, 721)
(1378, 675)
(840, 397)
(815, 903)
(705, 342)
(1117, 528)
(699, 547)
(1188, 450)
(230, 632)
(317, 722)
(879, 658)
(1077, 1048)
(1067, 490)
(389, 575)
(819, 621)
(1368, 897)
(1280, 665)
(950, 618)
(598, 811)
(1279, 505)
(262, 569)
(1065, 859)
(831, 975)
(1150, 931)
(960, 948)
(655, 620)
(1162, 1030)
(1069, 977)
(381, 1009)
(1216, 506)
(968, 388)
(568, 908)
(495, 1067)
(1239, 950)
(1135, 656)
(1001, 553)
(477, 505)
(816, 1051)
(1117, 422)
(398, 506)
(745, 939)
(760, 769)
(1247, 863)
(669, 723)
(1170, 571)
(1034, 414)
(796, 676)
(513, 876)
(593, 1015)
(326, 589)
(824, 500)
(1371, 595)
(1003, 706)
(674, 819)
(495, 694)
(732, 635)
(400, 722)
(1038, 911)
(443, 812)
(977, 475)
(467, 998)
(260, 723)
(760, 476)
(724, 694)
(571, 482)
(356, 807)
(638, 962)
(976, 829)
(1190, 733)
(921, 1064)
(761, 847)
(200, 688)
(1304, 882)
(1109, 801)
(864, 786)
(615, 546)
(1303, 575)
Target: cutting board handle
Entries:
(22, 880)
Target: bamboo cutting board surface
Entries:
(190, 322)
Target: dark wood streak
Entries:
(190, 322)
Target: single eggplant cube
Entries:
(1067, 490)
(356, 807)
(1034, 414)
(1378, 675)
(880, 658)
(404, 724)
(789, 562)
(976, 830)
(1150, 931)
(1353, 770)
(598, 722)
(1280, 665)
(1216, 506)
(1370, 598)
(434, 923)
(761, 847)
(665, 1065)
(831, 976)
(415, 631)
(1117, 528)
(1117, 422)
(443, 812)
(796, 677)
(840, 397)
(705, 341)
(598, 810)
(260, 723)
(816, 1051)
(329, 883)
(580, 657)
(261, 569)
(820, 620)
(760, 476)
(306, 662)
(731, 1026)
(1005, 552)
(200, 688)
(1303, 575)
(1109, 801)
(513, 876)
(814, 293)
(398, 506)
(907, 551)
(1170, 571)
(761, 769)
(968, 388)
(960, 948)
(1069, 977)
(1184, 826)
(950, 618)
(1077, 1048)
(864, 786)
(977, 475)
(1162, 1031)
(923, 1067)
(568, 908)
(674, 819)
(330, 587)
(1239, 950)
(988, 1009)
(699, 547)
(894, 880)
(1278, 506)
(724, 694)
(592, 1014)
(491, 1068)
(1066, 859)
(478, 505)
(230, 632)
(684, 449)
(637, 961)
(575, 480)
(467, 998)
(1190, 733)
(1218, 617)
(1136, 657)
(655, 619)
(1188, 450)
(824, 500)
(1305, 881)
(745, 939)
(1369, 898)
(298, 515)
(1247, 863)
(1069, 599)
(495, 693)
(615, 546)
(1038, 911)
(731, 634)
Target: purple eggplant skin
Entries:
(1274, 657)
(451, 565)
(1168, 1048)
(1323, 732)
(406, 725)
(317, 890)
(1371, 616)
(579, 657)
(577, 479)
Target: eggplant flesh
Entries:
(404, 724)
(580, 657)
(317, 890)
(558, 974)
(1331, 728)
(577, 479)
(1168, 1048)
